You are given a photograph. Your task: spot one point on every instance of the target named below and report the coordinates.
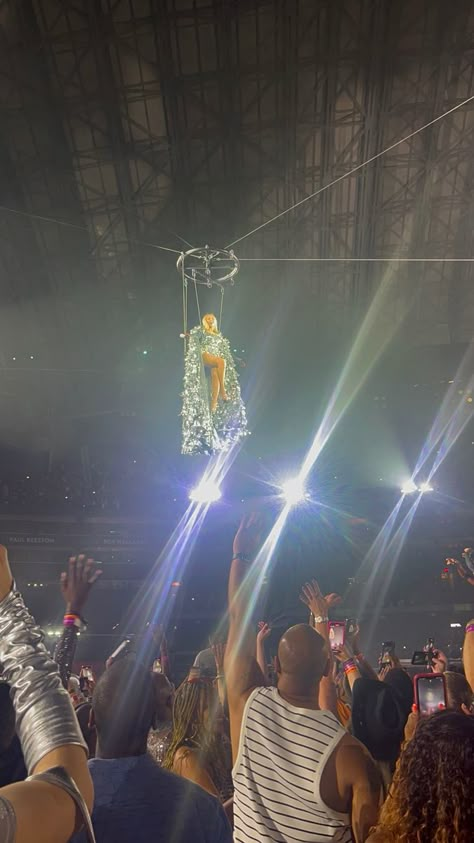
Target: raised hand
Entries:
(248, 538)
(264, 631)
(317, 604)
(344, 653)
(77, 582)
(439, 662)
(333, 599)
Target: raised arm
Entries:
(319, 607)
(358, 777)
(46, 725)
(241, 668)
(263, 632)
(76, 584)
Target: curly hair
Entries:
(430, 800)
(190, 729)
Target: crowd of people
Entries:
(312, 746)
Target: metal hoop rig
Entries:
(209, 267)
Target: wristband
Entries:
(320, 619)
(470, 627)
(71, 619)
(241, 557)
(349, 665)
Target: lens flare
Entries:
(207, 491)
(408, 487)
(293, 490)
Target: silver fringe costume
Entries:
(205, 432)
(45, 718)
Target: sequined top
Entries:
(211, 343)
(7, 821)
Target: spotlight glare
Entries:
(293, 490)
(408, 487)
(425, 487)
(206, 492)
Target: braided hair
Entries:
(192, 729)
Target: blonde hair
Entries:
(206, 316)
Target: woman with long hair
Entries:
(430, 800)
(213, 411)
(195, 749)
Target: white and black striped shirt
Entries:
(282, 754)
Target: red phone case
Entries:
(337, 625)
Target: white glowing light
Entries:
(206, 492)
(425, 487)
(294, 491)
(408, 487)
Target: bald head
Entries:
(302, 658)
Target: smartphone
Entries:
(388, 651)
(351, 626)
(337, 634)
(420, 657)
(86, 673)
(121, 650)
(430, 692)
(157, 667)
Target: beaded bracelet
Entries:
(349, 665)
(70, 619)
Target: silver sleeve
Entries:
(45, 718)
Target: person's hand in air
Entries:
(264, 631)
(316, 602)
(439, 662)
(77, 582)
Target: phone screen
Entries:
(351, 626)
(430, 693)
(388, 649)
(336, 634)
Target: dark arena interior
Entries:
(324, 151)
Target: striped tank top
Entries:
(282, 754)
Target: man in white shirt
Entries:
(298, 775)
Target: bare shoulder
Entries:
(185, 758)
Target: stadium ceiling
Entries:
(172, 122)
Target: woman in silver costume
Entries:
(213, 411)
(50, 805)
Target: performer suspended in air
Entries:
(213, 410)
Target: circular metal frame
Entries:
(209, 267)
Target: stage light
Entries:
(408, 487)
(293, 490)
(425, 487)
(207, 492)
